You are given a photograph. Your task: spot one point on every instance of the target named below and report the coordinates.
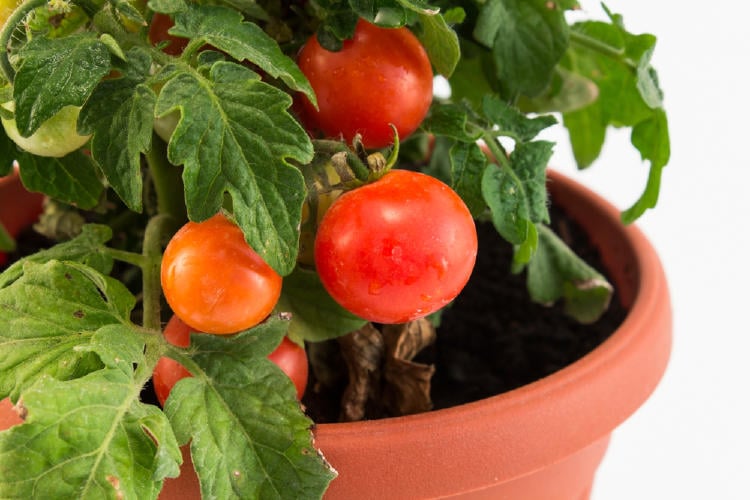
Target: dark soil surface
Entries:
(493, 338)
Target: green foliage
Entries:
(79, 321)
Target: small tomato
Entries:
(381, 76)
(214, 281)
(397, 249)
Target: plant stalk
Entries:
(157, 229)
(167, 181)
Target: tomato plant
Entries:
(381, 76)
(396, 249)
(288, 356)
(56, 137)
(214, 281)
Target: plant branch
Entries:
(157, 229)
(167, 181)
(7, 32)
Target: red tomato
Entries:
(157, 33)
(168, 371)
(292, 359)
(214, 281)
(288, 356)
(8, 415)
(381, 76)
(397, 249)
(3, 259)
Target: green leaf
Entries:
(651, 138)
(451, 120)
(468, 163)
(587, 131)
(441, 43)
(234, 136)
(89, 438)
(517, 194)
(512, 122)
(120, 115)
(48, 314)
(248, 435)
(225, 30)
(54, 74)
(567, 92)
(72, 178)
(556, 273)
(527, 39)
(84, 248)
(618, 62)
(315, 315)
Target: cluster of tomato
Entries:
(391, 251)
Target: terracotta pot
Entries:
(542, 441)
(18, 208)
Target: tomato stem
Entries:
(158, 229)
(14, 20)
(167, 181)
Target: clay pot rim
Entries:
(578, 384)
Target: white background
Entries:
(691, 440)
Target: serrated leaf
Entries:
(503, 193)
(225, 30)
(451, 120)
(249, 436)
(72, 178)
(47, 314)
(651, 138)
(84, 248)
(54, 74)
(556, 273)
(468, 163)
(89, 438)
(512, 122)
(234, 136)
(441, 43)
(527, 39)
(517, 195)
(315, 315)
(120, 115)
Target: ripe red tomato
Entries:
(380, 76)
(214, 281)
(3, 259)
(157, 33)
(292, 359)
(397, 249)
(168, 371)
(8, 415)
(288, 356)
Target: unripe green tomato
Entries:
(56, 137)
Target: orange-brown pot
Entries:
(539, 442)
